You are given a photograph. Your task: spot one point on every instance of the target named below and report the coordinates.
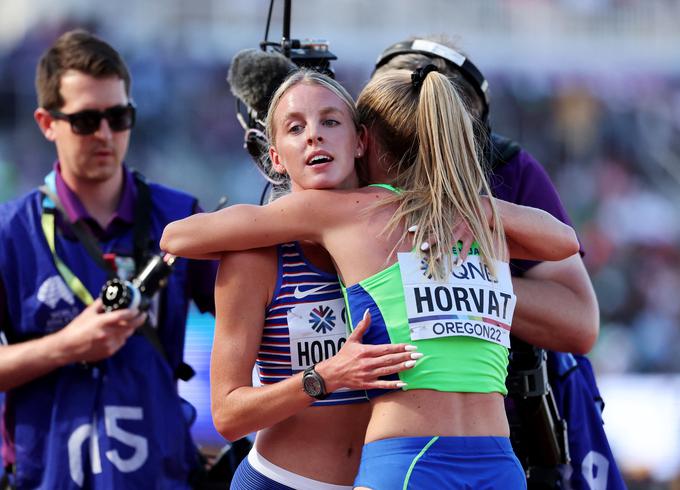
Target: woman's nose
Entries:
(313, 135)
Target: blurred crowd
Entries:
(612, 146)
(610, 142)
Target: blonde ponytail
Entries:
(428, 131)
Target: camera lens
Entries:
(117, 294)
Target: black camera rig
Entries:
(537, 431)
(117, 294)
(312, 54)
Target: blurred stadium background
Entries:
(590, 87)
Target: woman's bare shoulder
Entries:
(340, 200)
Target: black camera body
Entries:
(537, 430)
(308, 53)
(117, 294)
(312, 54)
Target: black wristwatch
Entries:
(313, 384)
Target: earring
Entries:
(358, 154)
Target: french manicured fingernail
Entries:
(416, 355)
(409, 347)
(365, 314)
(400, 384)
(409, 364)
(413, 229)
(457, 262)
(424, 246)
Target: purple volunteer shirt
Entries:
(122, 218)
(522, 180)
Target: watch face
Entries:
(312, 386)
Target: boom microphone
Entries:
(254, 75)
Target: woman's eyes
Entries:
(298, 128)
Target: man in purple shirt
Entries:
(556, 305)
(91, 402)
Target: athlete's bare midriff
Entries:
(418, 413)
(322, 443)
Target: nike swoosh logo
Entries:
(299, 293)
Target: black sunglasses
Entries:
(119, 117)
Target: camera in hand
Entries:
(117, 293)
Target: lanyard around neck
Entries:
(69, 277)
(51, 206)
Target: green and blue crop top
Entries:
(461, 324)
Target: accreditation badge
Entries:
(470, 302)
(317, 331)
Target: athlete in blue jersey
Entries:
(90, 402)
(282, 310)
(556, 305)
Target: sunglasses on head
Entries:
(119, 117)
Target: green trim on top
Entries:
(386, 186)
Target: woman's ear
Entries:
(277, 165)
(375, 159)
(362, 142)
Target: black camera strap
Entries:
(502, 150)
(142, 244)
(141, 227)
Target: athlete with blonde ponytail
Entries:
(440, 181)
(446, 427)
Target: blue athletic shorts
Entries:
(415, 463)
(256, 473)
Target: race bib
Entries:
(317, 331)
(470, 302)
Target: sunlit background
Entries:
(590, 87)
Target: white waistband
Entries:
(285, 477)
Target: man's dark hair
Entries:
(76, 50)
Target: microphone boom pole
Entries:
(286, 41)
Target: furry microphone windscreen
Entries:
(254, 75)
